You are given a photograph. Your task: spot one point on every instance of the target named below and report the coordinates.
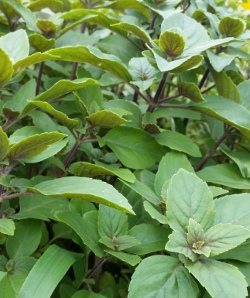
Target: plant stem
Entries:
(209, 153)
(94, 269)
(204, 78)
(169, 98)
(16, 195)
(39, 79)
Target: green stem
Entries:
(39, 78)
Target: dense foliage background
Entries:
(124, 149)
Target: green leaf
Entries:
(15, 45)
(179, 142)
(224, 174)
(95, 57)
(191, 91)
(130, 4)
(112, 223)
(26, 238)
(59, 116)
(119, 243)
(40, 207)
(154, 213)
(33, 146)
(189, 197)
(7, 226)
(6, 67)
(244, 89)
(168, 166)
(47, 27)
(40, 43)
(227, 111)
(84, 189)
(43, 278)
(233, 209)
(231, 26)
(26, 14)
(219, 279)
(106, 118)
(153, 238)
(135, 148)
(178, 243)
(177, 65)
(173, 280)
(135, 30)
(87, 294)
(4, 141)
(219, 61)
(242, 160)
(60, 88)
(85, 227)
(125, 257)
(223, 237)
(171, 43)
(225, 86)
(86, 169)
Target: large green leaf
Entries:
(6, 67)
(220, 279)
(85, 227)
(231, 26)
(171, 43)
(15, 45)
(84, 189)
(168, 166)
(162, 276)
(4, 141)
(224, 174)
(189, 197)
(33, 146)
(177, 141)
(43, 278)
(86, 169)
(130, 4)
(106, 118)
(223, 237)
(26, 238)
(135, 148)
(59, 116)
(226, 110)
(233, 209)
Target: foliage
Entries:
(124, 149)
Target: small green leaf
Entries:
(225, 86)
(173, 280)
(43, 278)
(223, 237)
(112, 223)
(15, 45)
(231, 26)
(59, 116)
(178, 243)
(7, 226)
(47, 27)
(191, 91)
(84, 189)
(219, 279)
(154, 213)
(135, 148)
(125, 257)
(119, 243)
(26, 238)
(4, 141)
(189, 197)
(106, 118)
(242, 159)
(33, 146)
(85, 227)
(233, 209)
(135, 30)
(177, 141)
(6, 67)
(171, 43)
(40, 43)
